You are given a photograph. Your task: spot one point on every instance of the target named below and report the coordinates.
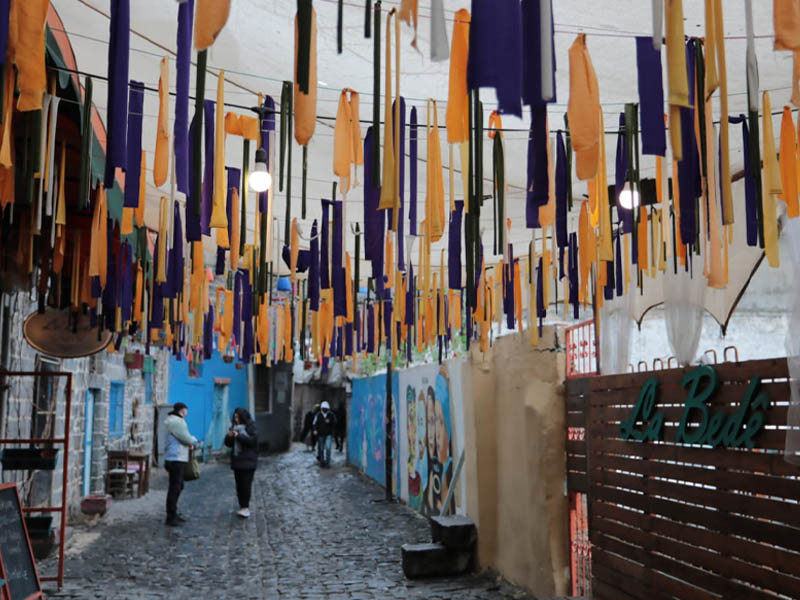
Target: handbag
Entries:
(192, 470)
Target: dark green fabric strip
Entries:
(339, 18)
(243, 199)
(367, 19)
(197, 149)
(305, 176)
(303, 45)
(86, 145)
(376, 99)
(285, 93)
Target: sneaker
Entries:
(181, 519)
(173, 522)
(243, 512)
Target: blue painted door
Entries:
(197, 397)
(88, 434)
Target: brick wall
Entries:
(96, 374)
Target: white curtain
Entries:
(616, 323)
(684, 297)
(792, 450)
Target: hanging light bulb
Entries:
(628, 198)
(260, 179)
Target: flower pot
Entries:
(29, 458)
(39, 526)
(227, 359)
(44, 538)
(96, 504)
(134, 360)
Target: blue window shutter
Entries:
(116, 410)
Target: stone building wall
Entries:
(92, 373)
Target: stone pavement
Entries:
(313, 534)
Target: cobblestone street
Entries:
(313, 534)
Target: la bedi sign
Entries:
(714, 429)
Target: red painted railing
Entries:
(582, 356)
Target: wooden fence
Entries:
(676, 520)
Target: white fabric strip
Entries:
(440, 48)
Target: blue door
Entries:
(88, 434)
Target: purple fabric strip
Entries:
(117, 104)
(184, 67)
(313, 273)
(208, 334)
(561, 175)
(338, 242)
(495, 56)
(125, 300)
(208, 173)
(237, 307)
(339, 342)
(5, 14)
(387, 323)
(402, 187)
(412, 162)
(538, 175)
(324, 263)
(410, 296)
(532, 52)
(193, 233)
(651, 97)
(573, 274)
(348, 339)
(219, 268)
(374, 219)
(625, 216)
(267, 126)
(358, 329)
(689, 181)
(751, 216)
(133, 162)
(540, 308)
(608, 289)
(339, 292)
(454, 247)
(169, 285)
(561, 271)
(509, 276)
(177, 250)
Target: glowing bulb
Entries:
(628, 198)
(260, 179)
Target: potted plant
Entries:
(42, 535)
(29, 458)
(96, 504)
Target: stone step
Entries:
(433, 560)
(454, 531)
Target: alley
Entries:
(313, 534)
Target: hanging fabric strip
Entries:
(772, 185)
(376, 97)
(658, 26)
(324, 263)
(498, 178)
(788, 164)
(752, 63)
(399, 221)
(689, 181)
(389, 182)
(208, 174)
(409, 14)
(434, 196)
(192, 216)
(218, 218)
(538, 175)
(118, 55)
(538, 56)
(412, 160)
(676, 72)
(161, 157)
(134, 145)
(786, 20)
(561, 191)
(439, 43)
(584, 104)
(303, 20)
(651, 97)
(313, 271)
(454, 247)
(457, 115)
(305, 101)
(347, 149)
(495, 44)
(85, 183)
(183, 70)
(51, 155)
(211, 18)
(27, 51)
(197, 142)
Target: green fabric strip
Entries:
(197, 149)
(303, 45)
(243, 202)
(376, 99)
(86, 153)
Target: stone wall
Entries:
(94, 373)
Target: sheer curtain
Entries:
(792, 450)
(684, 297)
(616, 323)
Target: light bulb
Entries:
(260, 179)
(628, 199)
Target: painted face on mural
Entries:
(430, 412)
(421, 426)
(411, 419)
(442, 443)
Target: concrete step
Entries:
(454, 531)
(432, 560)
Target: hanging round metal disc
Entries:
(63, 334)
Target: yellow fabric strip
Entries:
(677, 81)
(305, 105)
(26, 48)
(771, 183)
(219, 216)
(788, 164)
(163, 240)
(389, 196)
(210, 18)
(724, 137)
(99, 244)
(786, 19)
(161, 160)
(457, 117)
(584, 104)
(434, 192)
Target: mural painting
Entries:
(366, 430)
(430, 438)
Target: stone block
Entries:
(434, 560)
(454, 531)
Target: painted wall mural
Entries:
(429, 464)
(366, 437)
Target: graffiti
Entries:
(428, 419)
(366, 438)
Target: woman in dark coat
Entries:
(242, 437)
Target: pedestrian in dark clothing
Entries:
(308, 422)
(314, 433)
(324, 426)
(341, 426)
(242, 437)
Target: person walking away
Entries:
(314, 433)
(324, 426)
(308, 421)
(242, 437)
(179, 442)
(341, 426)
